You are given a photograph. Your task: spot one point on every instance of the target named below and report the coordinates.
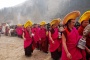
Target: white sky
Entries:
(10, 3)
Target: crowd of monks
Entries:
(60, 42)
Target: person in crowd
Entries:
(77, 24)
(54, 40)
(3, 29)
(70, 38)
(36, 37)
(7, 30)
(84, 21)
(43, 41)
(12, 30)
(19, 30)
(27, 36)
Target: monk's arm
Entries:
(64, 44)
(23, 35)
(87, 49)
(50, 36)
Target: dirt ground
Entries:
(11, 48)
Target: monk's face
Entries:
(54, 26)
(43, 26)
(28, 28)
(36, 25)
(72, 23)
(85, 23)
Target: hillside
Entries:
(38, 10)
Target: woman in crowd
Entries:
(70, 38)
(54, 40)
(27, 36)
(84, 21)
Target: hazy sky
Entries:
(10, 3)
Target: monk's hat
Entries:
(42, 23)
(85, 16)
(71, 15)
(55, 21)
(19, 24)
(28, 23)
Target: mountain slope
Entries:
(38, 10)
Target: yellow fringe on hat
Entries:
(55, 21)
(42, 23)
(28, 23)
(71, 15)
(19, 24)
(85, 16)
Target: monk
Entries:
(54, 41)
(27, 40)
(84, 22)
(70, 38)
(19, 31)
(43, 41)
(36, 37)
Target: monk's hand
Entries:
(69, 56)
(88, 51)
(53, 42)
(39, 38)
(32, 34)
(24, 38)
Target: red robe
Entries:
(36, 36)
(44, 41)
(57, 42)
(28, 40)
(88, 40)
(19, 30)
(80, 31)
(71, 42)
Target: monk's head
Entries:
(28, 28)
(42, 26)
(35, 25)
(54, 26)
(71, 23)
(84, 23)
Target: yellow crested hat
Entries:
(43, 23)
(19, 24)
(71, 15)
(55, 21)
(85, 16)
(28, 23)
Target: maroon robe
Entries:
(80, 31)
(55, 48)
(19, 31)
(44, 41)
(28, 40)
(57, 43)
(72, 39)
(27, 43)
(36, 37)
